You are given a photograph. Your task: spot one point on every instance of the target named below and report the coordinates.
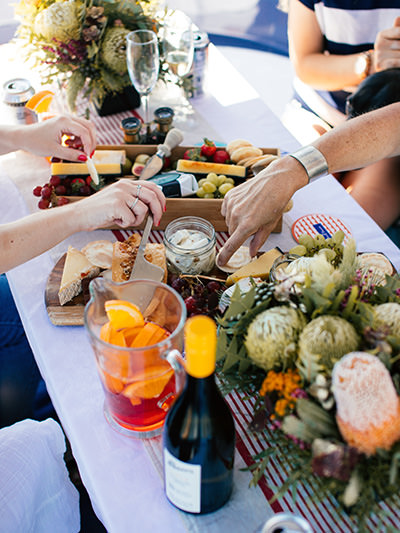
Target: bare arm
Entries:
(30, 236)
(333, 72)
(253, 208)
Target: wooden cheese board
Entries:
(208, 208)
(70, 314)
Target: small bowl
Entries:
(183, 255)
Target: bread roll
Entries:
(262, 163)
(233, 145)
(124, 255)
(244, 152)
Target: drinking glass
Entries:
(177, 46)
(141, 383)
(143, 62)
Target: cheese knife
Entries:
(155, 163)
(143, 269)
(92, 170)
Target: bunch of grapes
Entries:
(309, 246)
(201, 297)
(55, 191)
(214, 186)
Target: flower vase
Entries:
(125, 100)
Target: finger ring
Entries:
(136, 199)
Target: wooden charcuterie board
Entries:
(70, 314)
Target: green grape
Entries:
(224, 188)
(307, 241)
(200, 192)
(209, 195)
(202, 182)
(300, 249)
(213, 178)
(221, 180)
(330, 254)
(209, 187)
(230, 180)
(318, 240)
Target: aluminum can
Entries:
(286, 523)
(198, 71)
(16, 93)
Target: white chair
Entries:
(36, 494)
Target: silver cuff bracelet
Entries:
(312, 160)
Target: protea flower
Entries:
(324, 341)
(367, 404)
(388, 315)
(113, 50)
(59, 21)
(272, 337)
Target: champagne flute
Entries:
(178, 47)
(143, 62)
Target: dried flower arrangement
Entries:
(318, 349)
(81, 43)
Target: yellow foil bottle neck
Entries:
(200, 346)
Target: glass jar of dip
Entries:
(190, 246)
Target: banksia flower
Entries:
(367, 405)
(324, 341)
(388, 315)
(59, 21)
(113, 50)
(272, 336)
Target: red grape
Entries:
(62, 200)
(44, 203)
(60, 190)
(37, 191)
(46, 191)
(55, 180)
(191, 304)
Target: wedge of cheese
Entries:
(201, 167)
(107, 162)
(259, 268)
(76, 267)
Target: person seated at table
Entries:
(333, 47)
(32, 235)
(252, 209)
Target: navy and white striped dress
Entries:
(350, 27)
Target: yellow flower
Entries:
(284, 384)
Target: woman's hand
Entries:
(44, 138)
(125, 203)
(254, 207)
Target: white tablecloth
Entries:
(125, 488)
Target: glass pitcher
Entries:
(139, 383)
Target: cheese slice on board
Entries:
(105, 161)
(76, 267)
(201, 167)
(259, 268)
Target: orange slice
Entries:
(40, 102)
(111, 335)
(148, 335)
(113, 384)
(150, 383)
(123, 314)
(130, 334)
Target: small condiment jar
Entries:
(190, 246)
(131, 128)
(163, 117)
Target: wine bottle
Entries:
(199, 431)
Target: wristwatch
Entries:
(363, 64)
(313, 161)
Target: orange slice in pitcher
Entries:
(40, 101)
(111, 335)
(148, 335)
(123, 314)
(113, 384)
(150, 383)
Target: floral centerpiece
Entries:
(81, 43)
(318, 348)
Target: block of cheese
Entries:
(259, 268)
(76, 267)
(106, 162)
(201, 167)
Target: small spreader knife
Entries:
(155, 163)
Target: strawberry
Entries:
(76, 184)
(208, 149)
(221, 156)
(194, 154)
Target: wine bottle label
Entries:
(182, 483)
